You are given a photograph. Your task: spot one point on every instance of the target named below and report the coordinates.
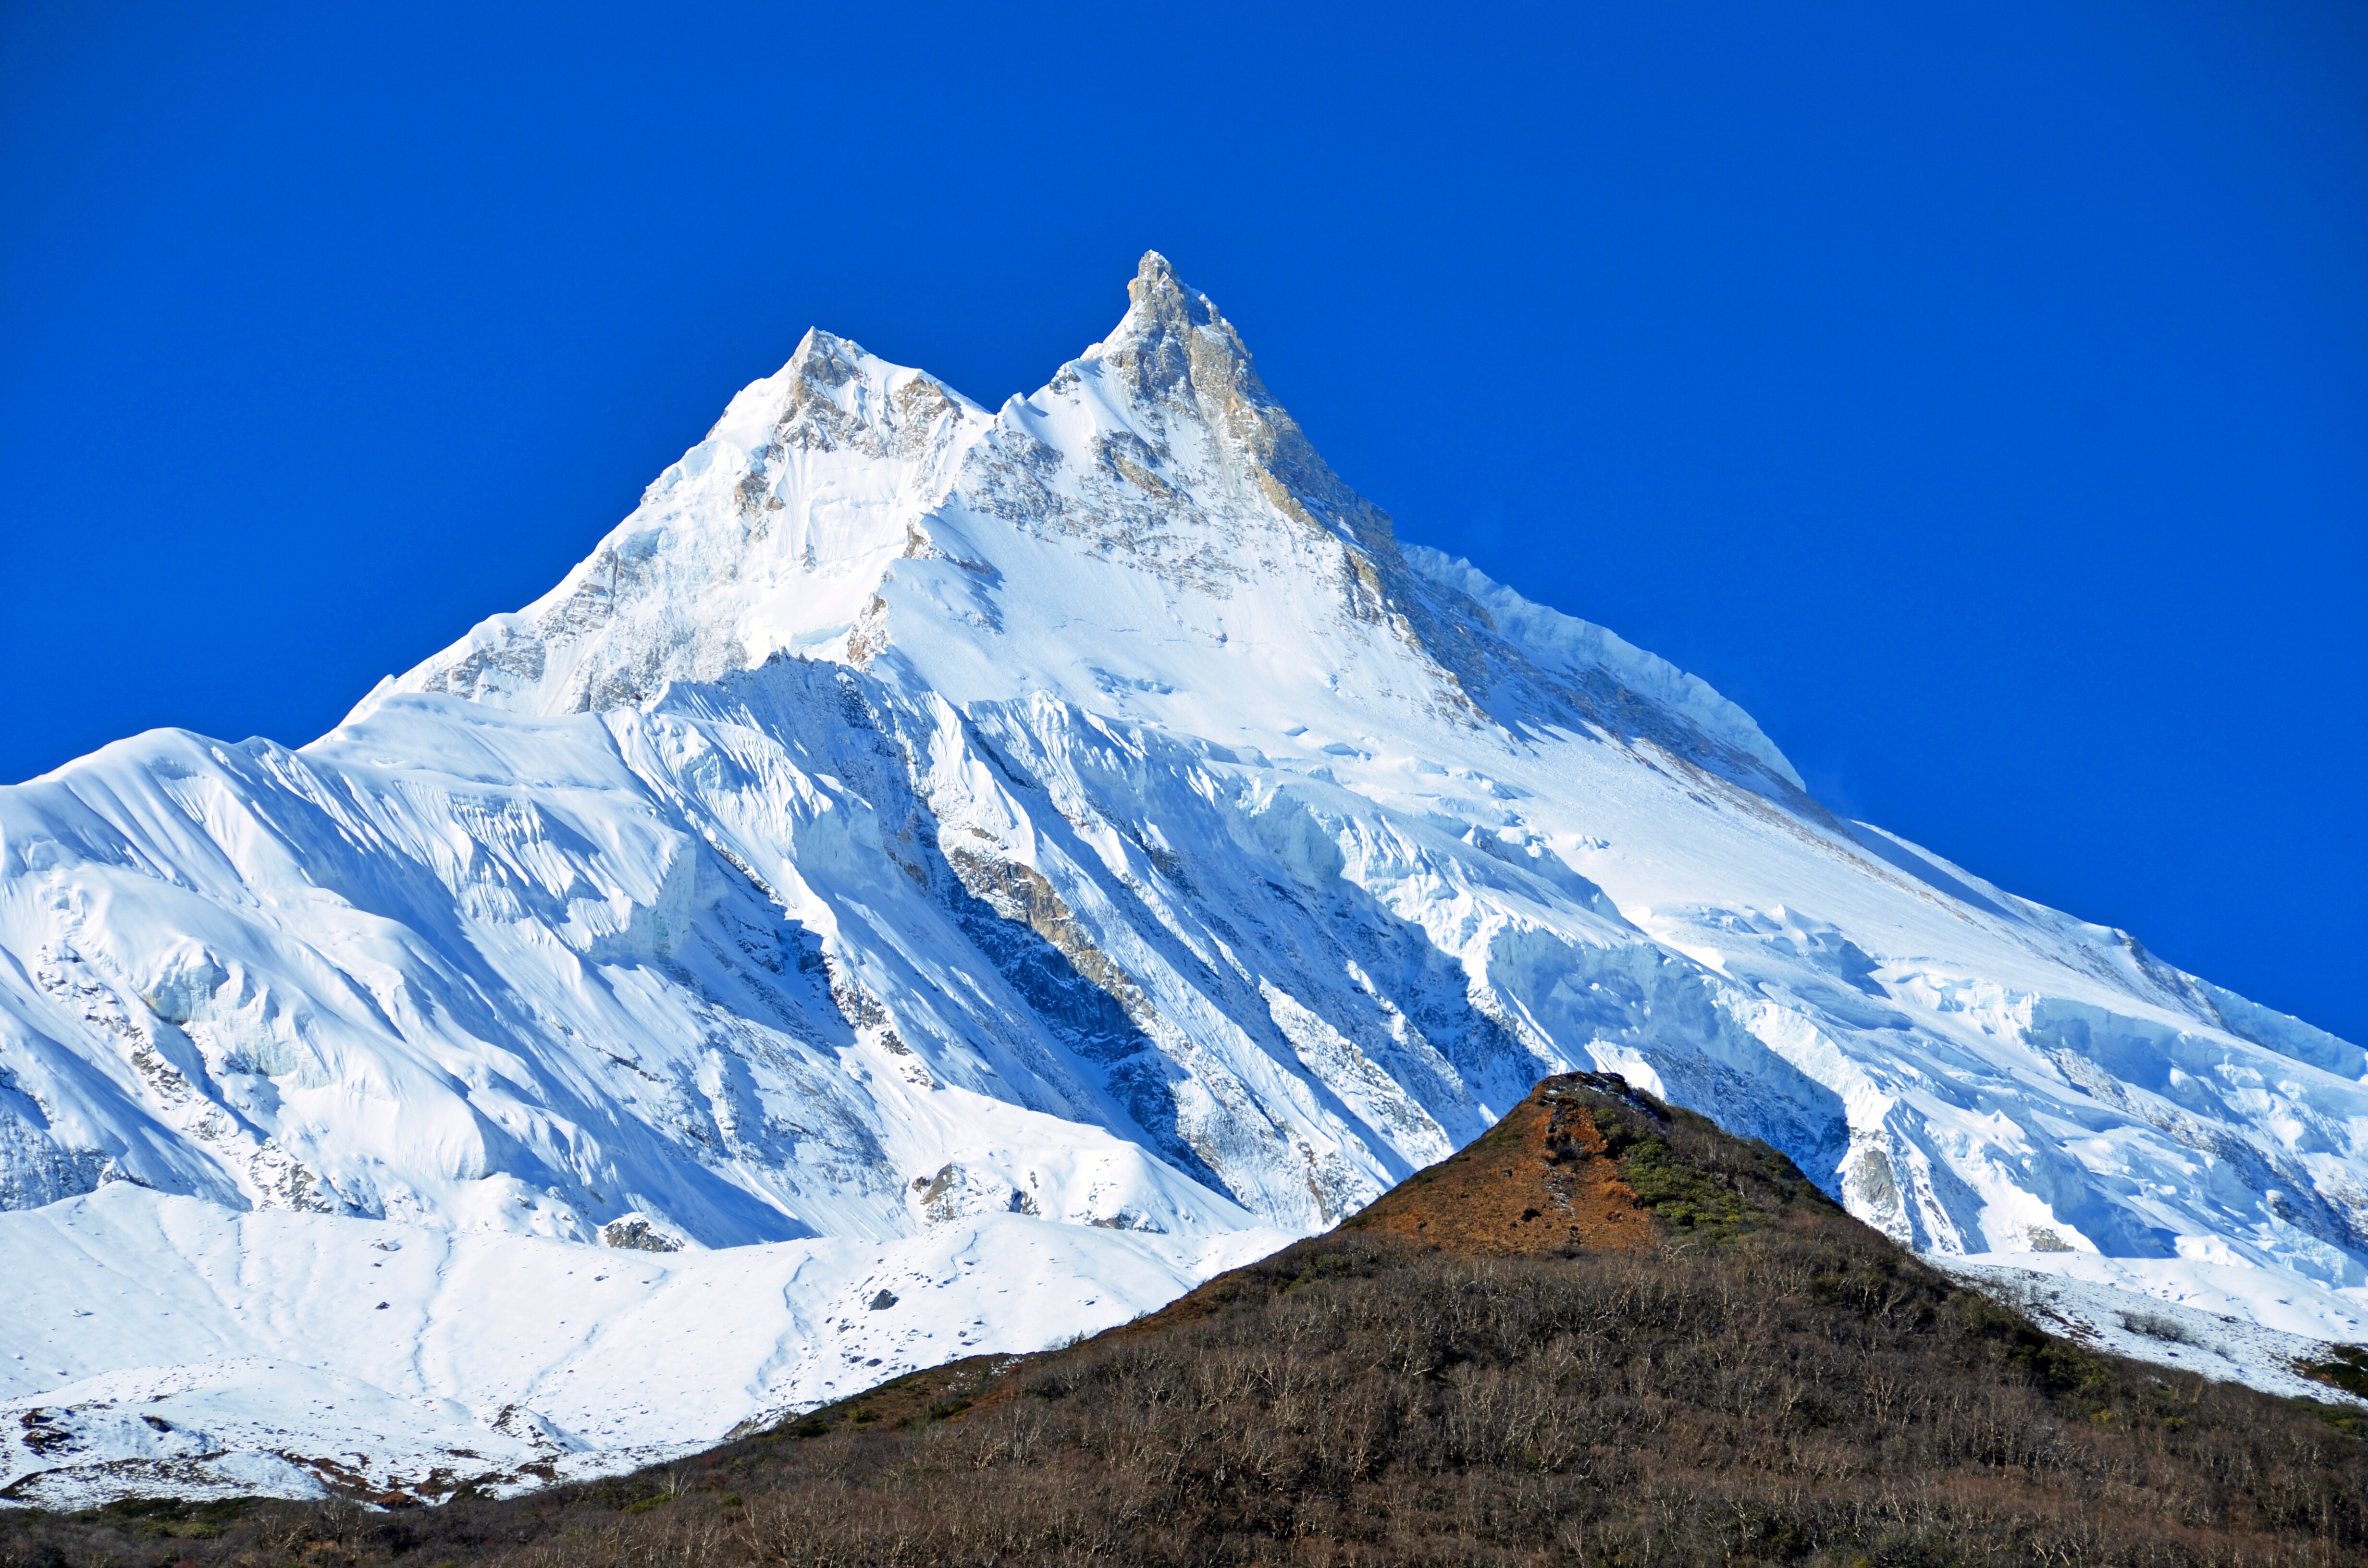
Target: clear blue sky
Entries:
(1979, 393)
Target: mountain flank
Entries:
(1603, 1332)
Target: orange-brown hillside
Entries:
(1543, 1179)
(1587, 1164)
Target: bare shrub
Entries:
(2156, 1326)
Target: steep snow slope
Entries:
(1087, 812)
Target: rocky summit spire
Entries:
(1155, 294)
(1175, 353)
(1172, 338)
(1153, 275)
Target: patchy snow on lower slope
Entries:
(2192, 1317)
(1081, 823)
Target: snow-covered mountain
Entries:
(1039, 856)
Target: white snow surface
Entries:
(1053, 854)
(166, 1342)
(1567, 647)
(2192, 1317)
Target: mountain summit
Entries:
(1013, 863)
(842, 488)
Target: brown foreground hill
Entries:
(1606, 1332)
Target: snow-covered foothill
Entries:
(1080, 826)
(166, 1343)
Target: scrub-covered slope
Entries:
(1741, 1373)
(1086, 813)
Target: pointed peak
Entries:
(825, 359)
(1174, 354)
(1172, 337)
(1154, 273)
(1155, 291)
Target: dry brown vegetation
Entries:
(1752, 1378)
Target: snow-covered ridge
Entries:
(1563, 643)
(1081, 822)
(768, 537)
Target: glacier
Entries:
(1015, 862)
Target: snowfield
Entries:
(169, 1343)
(1019, 863)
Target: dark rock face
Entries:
(639, 1235)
